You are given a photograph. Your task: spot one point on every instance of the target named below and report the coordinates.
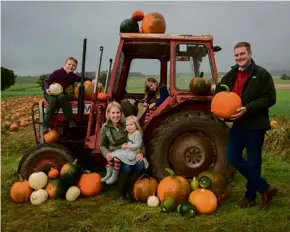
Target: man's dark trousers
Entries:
(253, 141)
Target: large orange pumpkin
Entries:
(219, 185)
(174, 187)
(204, 200)
(225, 104)
(20, 191)
(144, 187)
(51, 136)
(90, 184)
(89, 89)
(153, 23)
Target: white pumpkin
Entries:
(37, 180)
(38, 197)
(153, 201)
(55, 89)
(72, 193)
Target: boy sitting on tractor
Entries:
(64, 76)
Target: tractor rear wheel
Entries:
(190, 142)
(43, 157)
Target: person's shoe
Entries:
(121, 187)
(267, 196)
(72, 124)
(113, 178)
(109, 171)
(246, 203)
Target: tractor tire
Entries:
(43, 157)
(189, 142)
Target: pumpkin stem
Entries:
(20, 177)
(171, 172)
(144, 175)
(86, 171)
(226, 87)
(75, 162)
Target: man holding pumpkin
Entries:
(255, 86)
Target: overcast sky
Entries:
(36, 37)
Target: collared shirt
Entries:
(242, 77)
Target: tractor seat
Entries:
(74, 106)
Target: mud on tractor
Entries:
(181, 133)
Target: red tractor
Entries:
(181, 133)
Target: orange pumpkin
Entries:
(204, 200)
(102, 96)
(137, 15)
(90, 184)
(89, 89)
(174, 187)
(144, 187)
(13, 127)
(273, 124)
(51, 136)
(53, 173)
(20, 191)
(225, 104)
(153, 23)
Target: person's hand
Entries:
(93, 82)
(139, 157)
(213, 87)
(109, 157)
(241, 111)
(48, 92)
(152, 105)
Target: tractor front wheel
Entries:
(190, 142)
(43, 157)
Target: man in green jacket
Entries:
(255, 86)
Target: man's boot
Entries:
(131, 181)
(109, 170)
(121, 186)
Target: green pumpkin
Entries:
(129, 26)
(168, 205)
(205, 182)
(69, 174)
(186, 210)
(200, 86)
(194, 184)
(55, 189)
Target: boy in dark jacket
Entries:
(65, 76)
(255, 86)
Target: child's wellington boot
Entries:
(109, 170)
(113, 178)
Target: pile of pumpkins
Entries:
(69, 183)
(175, 193)
(73, 90)
(153, 22)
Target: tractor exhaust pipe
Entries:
(99, 69)
(81, 87)
(108, 74)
